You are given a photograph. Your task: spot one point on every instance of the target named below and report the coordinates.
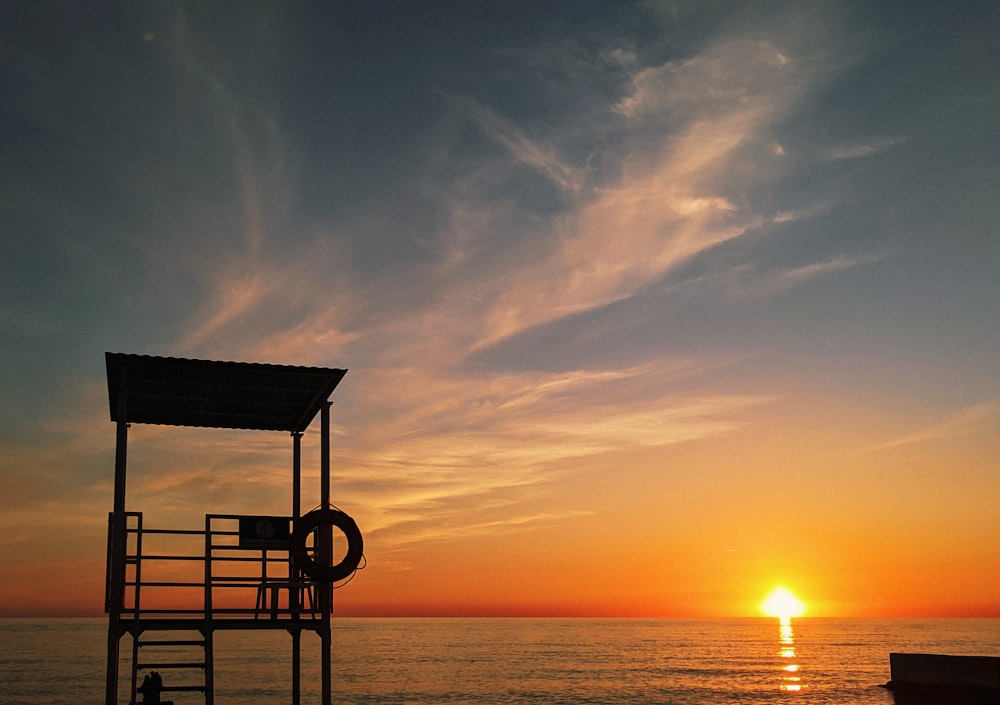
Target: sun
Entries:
(781, 603)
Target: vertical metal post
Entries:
(117, 547)
(136, 604)
(294, 574)
(209, 635)
(324, 459)
(296, 475)
(208, 627)
(326, 555)
(135, 671)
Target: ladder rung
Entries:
(179, 688)
(167, 642)
(178, 664)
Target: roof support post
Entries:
(294, 595)
(116, 549)
(326, 557)
(296, 474)
(325, 455)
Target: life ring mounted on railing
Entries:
(307, 564)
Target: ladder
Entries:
(182, 653)
(184, 661)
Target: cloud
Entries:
(795, 215)
(252, 274)
(430, 427)
(663, 198)
(751, 280)
(449, 442)
(542, 160)
(235, 298)
(293, 309)
(961, 422)
(834, 264)
(685, 123)
(863, 149)
(735, 76)
(432, 433)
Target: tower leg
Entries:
(296, 666)
(327, 663)
(135, 669)
(209, 666)
(111, 692)
(326, 555)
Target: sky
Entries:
(647, 307)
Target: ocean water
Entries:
(512, 661)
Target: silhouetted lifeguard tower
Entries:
(171, 590)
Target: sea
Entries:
(418, 661)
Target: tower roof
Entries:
(182, 392)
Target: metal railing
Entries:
(207, 574)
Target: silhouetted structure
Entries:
(943, 678)
(238, 571)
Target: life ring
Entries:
(355, 545)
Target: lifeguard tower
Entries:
(171, 590)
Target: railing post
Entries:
(208, 630)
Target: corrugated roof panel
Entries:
(249, 395)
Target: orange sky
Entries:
(647, 308)
(853, 531)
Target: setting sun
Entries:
(783, 604)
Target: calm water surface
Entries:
(513, 661)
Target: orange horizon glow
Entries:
(83, 601)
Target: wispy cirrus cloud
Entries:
(834, 264)
(432, 430)
(685, 123)
(448, 432)
(485, 440)
(961, 422)
(758, 281)
(542, 159)
(858, 150)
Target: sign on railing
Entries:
(264, 532)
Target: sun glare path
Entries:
(783, 604)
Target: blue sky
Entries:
(583, 260)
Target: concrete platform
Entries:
(940, 678)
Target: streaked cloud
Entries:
(834, 264)
(527, 152)
(686, 121)
(475, 440)
(864, 149)
(961, 422)
(448, 433)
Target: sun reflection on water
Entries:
(791, 680)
